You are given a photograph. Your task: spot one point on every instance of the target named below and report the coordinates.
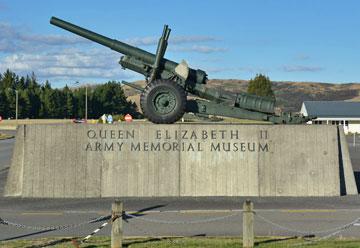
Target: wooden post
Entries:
(248, 224)
(116, 227)
(354, 143)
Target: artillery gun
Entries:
(164, 99)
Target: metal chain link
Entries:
(53, 228)
(110, 220)
(343, 227)
(181, 222)
(308, 241)
(176, 241)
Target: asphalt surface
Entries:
(6, 148)
(202, 216)
(354, 149)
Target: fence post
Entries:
(248, 224)
(354, 143)
(116, 227)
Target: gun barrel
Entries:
(113, 44)
(199, 76)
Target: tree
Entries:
(42, 101)
(110, 98)
(4, 104)
(45, 100)
(34, 92)
(260, 86)
(79, 102)
(11, 102)
(24, 104)
(56, 104)
(9, 80)
(69, 110)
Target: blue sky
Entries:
(287, 40)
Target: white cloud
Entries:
(191, 39)
(235, 69)
(215, 70)
(143, 41)
(58, 57)
(152, 40)
(301, 68)
(16, 39)
(53, 40)
(302, 57)
(197, 48)
(67, 64)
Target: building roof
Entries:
(332, 108)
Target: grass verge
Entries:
(5, 136)
(208, 242)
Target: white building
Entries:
(342, 113)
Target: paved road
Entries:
(302, 214)
(305, 214)
(6, 147)
(354, 149)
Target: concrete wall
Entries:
(142, 159)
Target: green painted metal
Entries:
(212, 108)
(164, 102)
(155, 66)
(257, 103)
(148, 59)
(160, 52)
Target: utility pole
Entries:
(86, 102)
(17, 102)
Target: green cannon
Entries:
(164, 99)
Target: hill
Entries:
(289, 95)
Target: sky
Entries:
(287, 40)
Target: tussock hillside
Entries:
(289, 95)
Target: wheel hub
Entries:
(164, 102)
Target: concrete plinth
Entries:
(142, 159)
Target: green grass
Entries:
(33, 121)
(5, 136)
(209, 242)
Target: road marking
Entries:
(208, 211)
(308, 210)
(204, 211)
(42, 213)
(194, 211)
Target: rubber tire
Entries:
(146, 99)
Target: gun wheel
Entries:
(163, 101)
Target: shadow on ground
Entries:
(357, 179)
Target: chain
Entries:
(181, 222)
(308, 241)
(340, 228)
(172, 241)
(111, 219)
(53, 228)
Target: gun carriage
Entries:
(164, 99)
